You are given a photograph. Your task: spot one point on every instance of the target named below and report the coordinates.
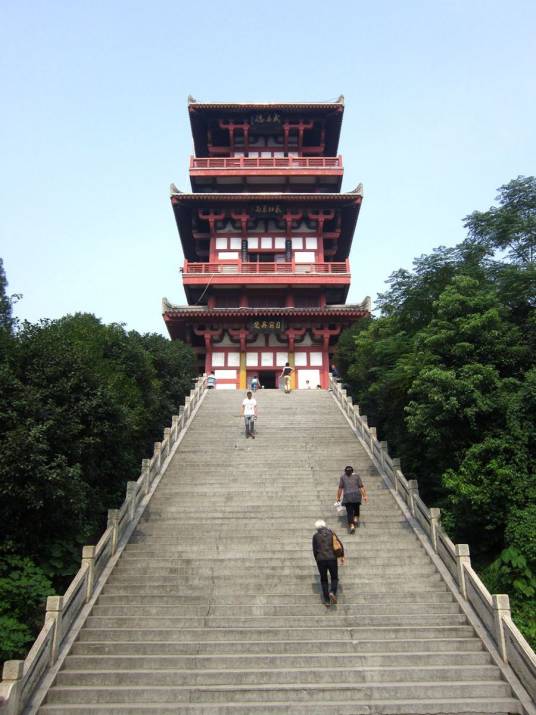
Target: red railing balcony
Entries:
(243, 268)
(245, 163)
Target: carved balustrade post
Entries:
(132, 489)
(397, 469)
(175, 427)
(113, 523)
(384, 451)
(501, 608)
(12, 675)
(373, 437)
(55, 612)
(157, 456)
(88, 559)
(146, 471)
(413, 492)
(463, 558)
(435, 519)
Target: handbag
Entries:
(338, 548)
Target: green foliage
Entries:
(446, 375)
(521, 532)
(80, 405)
(511, 574)
(510, 227)
(23, 592)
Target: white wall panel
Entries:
(218, 359)
(233, 359)
(266, 242)
(304, 257)
(225, 374)
(297, 243)
(312, 375)
(236, 243)
(221, 243)
(228, 255)
(279, 242)
(225, 386)
(252, 359)
(267, 359)
(315, 359)
(253, 243)
(281, 359)
(311, 242)
(301, 358)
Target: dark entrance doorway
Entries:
(268, 379)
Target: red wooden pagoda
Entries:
(266, 236)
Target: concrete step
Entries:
(279, 692)
(335, 619)
(138, 552)
(142, 610)
(292, 675)
(351, 645)
(268, 662)
(473, 706)
(199, 568)
(298, 601)
(348, 588)
(196, 635)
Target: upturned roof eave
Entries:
(183, 197)
(190, 311)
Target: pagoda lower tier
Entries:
(238, 343)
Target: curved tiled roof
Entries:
(238, 106)
(202, 311)
(177, 195)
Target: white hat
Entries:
(320, 524)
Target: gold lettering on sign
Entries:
(266, 118)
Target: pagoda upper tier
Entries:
(266, 146)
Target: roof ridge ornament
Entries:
(341, 99)
(358, 190)
(173, 191)
(166, 305)
(191, 100)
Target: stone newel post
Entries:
(501, 608)
(12, 676)
(462, 558)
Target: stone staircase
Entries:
(214, 606)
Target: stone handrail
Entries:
(21, 677)
(493, 611)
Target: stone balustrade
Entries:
(493, 611)
(20, 678)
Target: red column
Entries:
(325, 334)
(208, 335)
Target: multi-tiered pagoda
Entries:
(266, 235)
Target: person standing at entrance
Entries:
(255, 384)
(353, 490)
(326, 560)
(285, 376)
(249, 413)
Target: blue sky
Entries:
(440, 111)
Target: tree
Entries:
(6, 320)
(511, 226)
